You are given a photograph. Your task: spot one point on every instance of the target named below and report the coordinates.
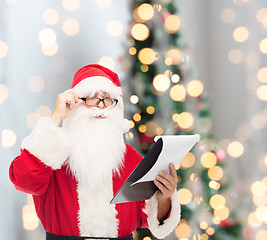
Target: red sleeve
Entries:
(142, 216)
(29, 174)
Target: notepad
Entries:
(167, 149)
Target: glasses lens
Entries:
(108, 102)
(93, 102)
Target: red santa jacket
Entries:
(66, 207)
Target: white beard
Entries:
(98, 145)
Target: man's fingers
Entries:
(168, 184)
(161, 187)
(172, 179)
(173, 170)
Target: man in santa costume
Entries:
(73, 171)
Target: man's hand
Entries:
(166, 184)
(66, 103)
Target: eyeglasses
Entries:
(94, 102)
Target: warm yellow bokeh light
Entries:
(185, 120)
(8, 138)
(210, 231)
(29, 217)
(188, 161)
(172, 24)
(47, 37)
(262, 75)
(195, 88)
(208, 159)
(204, 236)
(175, 117)
(240, 34)
(51, 16)
(36, 84)
(214, 185)
(71, 27)
(136, 117)
(194, 177)
(134, 99)
(215, 173)
(145, 11)
(263, 46)
(222, 213)
(129, 135)
(185, 196)
(203, 225)
(161, 82)
(150, 109)
(197, 237)
(261, 213)
(175, 78)
(178, 93)
(261, 14)
(235, 56)
(140, 31)
(50, 50)
(261, 234)
(132, 124)
(3, 49)
(228, 15)
(183, 231)
(147, 56)
(262, 92)
(147, 238)
(70, 5)
(114, 28)
(253, 220)
(142, 128)
(174, 56)
(44, 111)
(144, 68)
(3, 93)
(217, 201)
(103, 4)
(260, 200)
(235, 149)
(132, 51)
(107, 62)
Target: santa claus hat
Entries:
(95, 78)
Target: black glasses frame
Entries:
(101, 100)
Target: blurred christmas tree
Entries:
(164, 100)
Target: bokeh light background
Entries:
(43, 43)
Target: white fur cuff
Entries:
(48, 143)
(161, 231)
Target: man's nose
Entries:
(101, 105)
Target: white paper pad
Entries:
(175, 147)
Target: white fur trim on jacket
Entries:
(48, 142)
(161, 231)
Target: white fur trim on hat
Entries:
(97, 83)
(48, 143)
(161, 231)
